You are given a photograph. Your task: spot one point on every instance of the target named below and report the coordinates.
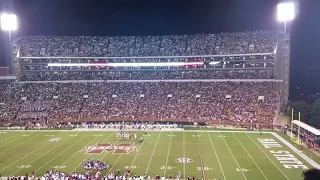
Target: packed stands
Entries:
(234, 101)
(234, 70)
(135, 46)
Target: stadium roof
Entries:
(307, 127)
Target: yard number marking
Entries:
(131, 167)
(164, 167)
(54, 139)
(204, 168)
(242, 170)
(222, 136)
(59, 167)
(24, 166)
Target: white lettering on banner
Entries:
(288, 160)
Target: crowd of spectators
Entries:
(230, 58)
(129, 46)
(234, 101)
(148, 75)
(126, 175)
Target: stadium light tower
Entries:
(9, 23)
(285, 13)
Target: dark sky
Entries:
(153, 17)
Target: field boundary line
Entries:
(294, 149)
(215, 152)
(62, 152)
(200, 156)
(184, 156)
(165, 170)
(268, 157)
(251, 157)
(90, 154)
(44, 153)
(21, 143)
(144, 140)
(155, 146)
(25, 156)
(233, 155)
(162, 130)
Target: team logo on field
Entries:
(119, 148)
(184, 160)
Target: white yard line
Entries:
(90, 154)
(43, 154)
(13, 141)
(138, 152)
(251, 157)
(110, 168)
(233, 155)
(268, 157)
(8, 136)
(155, 146)
(165, 169)
(26, 155)
(184, 156)
(200, 157)
(62, 152)
(20, 143)
(76, 153)
(215, 152)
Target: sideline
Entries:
(301, 154)
(156, 130)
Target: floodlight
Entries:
(9, 22)
(286, 11)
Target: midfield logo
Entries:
(117, 149)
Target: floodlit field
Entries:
(209, 155)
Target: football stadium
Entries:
(202, 106)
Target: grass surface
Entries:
(306, 151)
(214, 155)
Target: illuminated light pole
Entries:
(9, 23)
(285, 13)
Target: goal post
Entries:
(295, 139)
(291, 124)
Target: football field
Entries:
(207, 155)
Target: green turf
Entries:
(306, 151)
(214, 155)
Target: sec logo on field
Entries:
(184, 160)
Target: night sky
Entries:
(153, 17)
